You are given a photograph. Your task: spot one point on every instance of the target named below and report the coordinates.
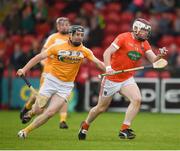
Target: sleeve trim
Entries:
(115, 45)
(148, 50)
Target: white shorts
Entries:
(53, 85)
(109, 88)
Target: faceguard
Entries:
(73, 30)
(139, 25)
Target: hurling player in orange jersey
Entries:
(58, 84)
(124, 52)
(62, 25)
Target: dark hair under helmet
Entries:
(75, 28)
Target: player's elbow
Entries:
(38, 57)
(105, 54)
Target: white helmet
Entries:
(141, 24)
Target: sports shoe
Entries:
(22, 134)
(127, 134)
(63, 125)
(23, 112)
(25, 119)
(82, 132)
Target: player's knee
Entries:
(36, 110)
(137, 100)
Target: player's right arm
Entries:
(107, 54)
(115, 45)
(49, 42)
(35, 60)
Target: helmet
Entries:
(75, 28)
(139, 25)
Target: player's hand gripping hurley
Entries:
(161, 63)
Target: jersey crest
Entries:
(70, 56)
(134, 55)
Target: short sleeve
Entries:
(49, 42)
(147, 46)
(51, 50)
(89, 54)
(119, 41)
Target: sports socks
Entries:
(85, 126)
(28, 128)
(30, 102)
(124, 126)
(28, 105)
(63, 117)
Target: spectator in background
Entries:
(177, 22)
(173, 60)
(18, 58)
(96, 25)
(165, 23)
(136, 5)
(160, 5)
(28, 20)
(12, 20)
(27, 4)
(173, 54)
(2, 66)
(176, 74)
(33, 52)
(2, 38)
(155, 34)
(40, 11)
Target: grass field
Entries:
(154, 131)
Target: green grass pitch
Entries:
(154, 131)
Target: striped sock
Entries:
(28, 128)
(124, 126)
(85, 126)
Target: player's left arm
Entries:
(152, 57)
(98, 63)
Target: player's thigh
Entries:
(55, 104)
(131, 91)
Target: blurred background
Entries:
(25, 25)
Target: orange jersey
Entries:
(129, 54)
(54, 38)
(67, 59)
